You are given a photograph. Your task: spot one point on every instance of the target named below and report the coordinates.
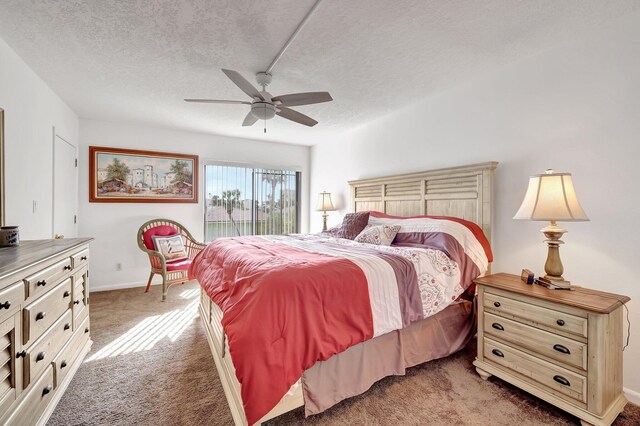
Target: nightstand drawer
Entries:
(555, 320)
(554, 378)
(551, 345)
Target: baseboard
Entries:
(632, 396)
(119, 286)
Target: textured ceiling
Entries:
(135, 61)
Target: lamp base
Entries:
(324, 221)
(553, 266)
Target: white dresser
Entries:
(44, 325)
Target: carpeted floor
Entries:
(150, 365)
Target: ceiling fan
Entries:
(263, 105)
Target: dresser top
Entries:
(13, 259)
(583, 298)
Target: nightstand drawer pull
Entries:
(496, 304)
(497, 352)
(562, 349)
(561, 380)
(497, 326)
(560, 322)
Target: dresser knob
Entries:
(21, 354)
(40, 356)
(66, 294)
(5, 305)
(562, 349)
(86, 330)
(67, 326)
(561, 380)
(497, 326)
(46, 390)
(67, 267)
(496, 304)
(41, 283)
(83, 258)
(496, 352)
(560, 322)
(40, 316)
(76, 302)
(63, 364)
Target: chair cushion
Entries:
(161, 230)
(179, 265)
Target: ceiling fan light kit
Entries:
(263, 105)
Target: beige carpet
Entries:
(150, 365)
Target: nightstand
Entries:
(562, 346)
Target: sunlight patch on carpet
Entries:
(190, 294)
(148, 332)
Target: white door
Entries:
(65, 188)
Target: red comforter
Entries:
(253, 281)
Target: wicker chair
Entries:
(172, 272)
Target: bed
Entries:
(366, 349)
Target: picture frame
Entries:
(118, 175)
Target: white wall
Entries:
(575, 108)
(115, 225)
(32, 110)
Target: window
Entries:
(250, 201)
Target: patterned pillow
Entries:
(352, 225)
(381, 235)
(171, 247)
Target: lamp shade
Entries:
(551, 197)
(324, 202)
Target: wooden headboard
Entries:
(465, 192)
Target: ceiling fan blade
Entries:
(296, 116)
(249, 120)
(243, 84)
(308, 98)
(217, 101)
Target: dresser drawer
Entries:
(10, 300)
(35, 401)
(42, 352)
(571, 385)
(559, 348)
(80, 259)
(69, 353)
(39, 315)
(554, 320)
(42, 281)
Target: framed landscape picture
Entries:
(119, 175)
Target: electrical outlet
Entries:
(118, 266)
(35, 206)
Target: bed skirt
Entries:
(353, 371)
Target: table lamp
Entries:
(324, 205)
(552, 197)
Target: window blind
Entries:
(250, 201)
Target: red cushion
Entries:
(162, 231)
(179, 265)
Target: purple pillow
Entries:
(352, 225)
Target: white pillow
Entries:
(172, 247)
(381, 235)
